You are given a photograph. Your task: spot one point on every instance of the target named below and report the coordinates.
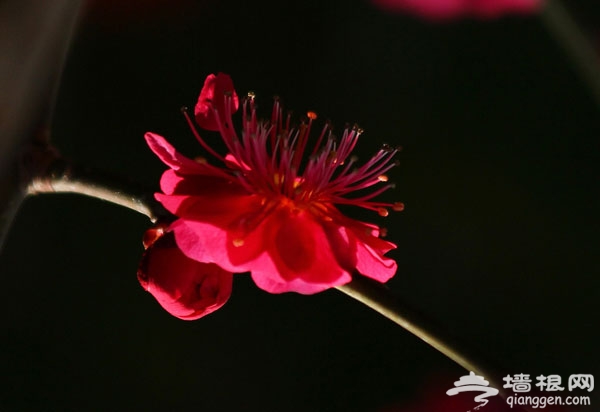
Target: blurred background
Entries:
(498, 241)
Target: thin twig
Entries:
(64, 177)
(379, 298)
(575, 44)
(61, 176)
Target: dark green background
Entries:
(498, 241)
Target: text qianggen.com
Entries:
(543, 401)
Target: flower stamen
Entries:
(268, 159)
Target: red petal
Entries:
(299, 256)
(172, 157)
(204, 241)
(224, 236)
(220, 210)
(184, 287)
(203, 198)
(343, 245)
(369, 256)
(361, 241)
(373, 265)
(174, 183)
(212, 97)
(285, 252)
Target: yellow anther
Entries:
(398, 206)
(332, 157)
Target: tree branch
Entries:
(575, 44)
(62, 177)
(34, 42)
(381, 299)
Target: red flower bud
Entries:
(185, 288)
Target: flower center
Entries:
(272, 159)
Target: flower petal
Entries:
(220, 211)
(285, 252)
(233, 237)
(369, 257)
(185, 288)
(299, 257)
(171, 157)
(343, 245)
(202, 197)
(212, 97)
(174, 183)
